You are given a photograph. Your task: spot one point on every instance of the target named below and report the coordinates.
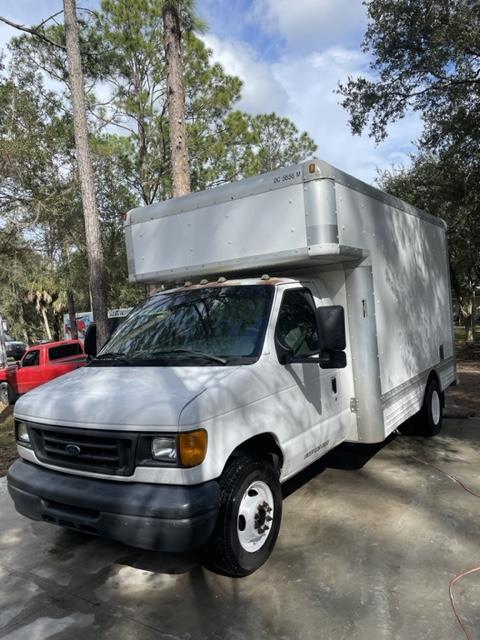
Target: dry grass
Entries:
(8, 449)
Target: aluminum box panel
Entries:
(261, 230)
(285, 218)
(411, 283)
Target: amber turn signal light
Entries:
(192, 447)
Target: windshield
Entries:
(208, 326)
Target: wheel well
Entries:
(434, 376)
(264, 446)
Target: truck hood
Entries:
(135, 398)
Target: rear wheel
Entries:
(4, 393)
(249, 517)
(428, 421)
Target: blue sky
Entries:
(290, 55)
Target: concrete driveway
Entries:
(363, 554)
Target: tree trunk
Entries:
(57, 325)
(85, 172)
(467, 310)
(3, 350)
(470, 327)
(176, 100)
(72, 319)
(45, 322)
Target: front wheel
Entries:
(249, 517)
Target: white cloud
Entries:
(303, 89)
(261, 92)
(317, 24)
(311, 83)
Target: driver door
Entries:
(312, 414)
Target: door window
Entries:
(65, 351)
(297, 327)
(31, 359)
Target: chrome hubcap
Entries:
(255, 516)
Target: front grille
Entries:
(107, 452)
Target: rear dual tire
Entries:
(428, 421)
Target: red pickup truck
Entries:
(38, 365)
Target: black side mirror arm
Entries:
(326, 359)
(284, 354)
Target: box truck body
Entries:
(385, 261)
(305, 309)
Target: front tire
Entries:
(249, 517)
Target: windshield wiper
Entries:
(195, 354)
(116, 356)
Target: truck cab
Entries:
(162, 403)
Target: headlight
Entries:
(183, 450)
(164, 449)
(22, 433)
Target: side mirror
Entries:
(331, 327)
(331, 331)
(329, 353)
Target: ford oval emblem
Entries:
(72, 449)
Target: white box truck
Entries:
(306, 309)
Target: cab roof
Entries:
(234, 282)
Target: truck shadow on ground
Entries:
(68, 542)
(158, 562)
(346, 456)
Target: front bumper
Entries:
(149, 516)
